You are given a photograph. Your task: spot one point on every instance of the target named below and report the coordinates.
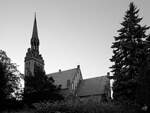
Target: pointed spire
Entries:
(35, 31)
(35, 40)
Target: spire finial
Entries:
(35, 15)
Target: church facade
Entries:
(71, 81)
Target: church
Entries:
(71, 81)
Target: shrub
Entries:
(83, 107)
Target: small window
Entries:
(68, 83)
(72, 86)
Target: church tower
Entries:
(33, 58)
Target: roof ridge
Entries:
(95, 77)
(62, 71)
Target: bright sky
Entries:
(71, 32)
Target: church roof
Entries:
(92, 86)
(61, 77)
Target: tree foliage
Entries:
(129, 56)
(9, 79)
(144, 80)
(40, 88)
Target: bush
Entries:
(83, 107)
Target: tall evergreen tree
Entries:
(144, 80)
(128, 56)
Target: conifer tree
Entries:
(128, 56)
(143, 93)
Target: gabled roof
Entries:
(61, 77)
(92, 86)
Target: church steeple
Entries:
(33, 58)
(35, 39)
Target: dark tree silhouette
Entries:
(129, 56)
(9, 80)
(40, 88)
(3, 84)
(143, 93)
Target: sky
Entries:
(71, 32)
